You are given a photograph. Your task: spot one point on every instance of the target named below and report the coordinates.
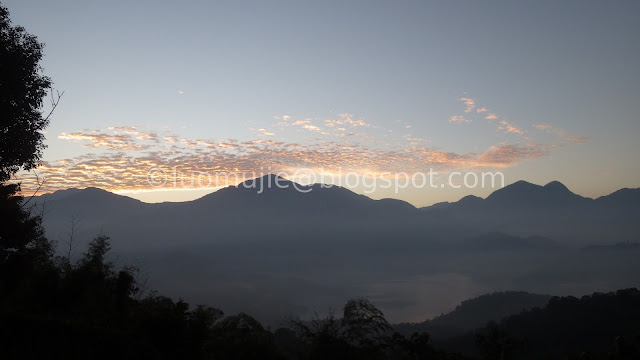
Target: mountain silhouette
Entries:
(524, 194)
(601, 325)
(91, 206)
(313, 198)
(475, 313)
(257, 249)
(521, 209)
(551, 211)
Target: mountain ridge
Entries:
(517, 210)
(309, 250)
(520, 185)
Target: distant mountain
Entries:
(522, 194)
(521, 209)
(552, 211)
(91, 208)
(475, 313)
(61, 194)
(469, 201)
(623, 198)
(90, 199)
(252, 249)
(269, 208)
(272, 196)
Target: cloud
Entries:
(469, 104)
(327, 126)
(348, 143)
(96, 140)
(133, 130)
(561, 134)
(509, 128)
(306, 125)
(265, 132)
(345, 120)
(312, 128)
(458, 119)
(505, 155)
(118, 170)
(543, 127)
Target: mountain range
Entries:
(299, 252)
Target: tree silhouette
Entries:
(363, 332)
(496, 344)
(363, 323)
(22, 90)
(94, 258)
(25, 253)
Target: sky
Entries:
(162, 97)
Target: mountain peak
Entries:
(269, 181)
(65, 193)
(470, 199)
(521, 184)
(522, 192)
(517, 189)
(93, 189)
(557, 186)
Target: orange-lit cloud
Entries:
(458, 119)
(561, 133)
(265, 132)
(509, 128)
(345, 119)
(469, 104)
(505, 155)
(123, 156)
(343, 125)
(95, 140)
(180, 162)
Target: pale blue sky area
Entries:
(225, 69)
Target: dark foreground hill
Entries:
(475, 313)
(597, 326)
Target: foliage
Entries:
(363, 323)
(361, 333)
(597, 326)
(496, 344)
(25, 254)
(22, 90)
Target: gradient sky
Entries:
(539, 90)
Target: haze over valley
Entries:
(286, 252)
